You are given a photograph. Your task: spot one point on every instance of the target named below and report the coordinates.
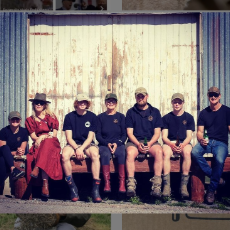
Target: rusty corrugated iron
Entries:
(13, 65)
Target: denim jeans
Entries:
(220, 151)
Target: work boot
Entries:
(156, 186)
(45, 188)
(166, 183)
(131, 186)
(183, 186)
(210, 197)
(106, 174)
(73, 190)
(121, 172)
(16, 173)
(35, 172)
(95, 191)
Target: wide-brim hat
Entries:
(40, 97)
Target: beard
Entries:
(142, 104)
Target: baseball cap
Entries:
(111, 95)
(141, 90)
(213, 89)
(14, 114)
(177, 96)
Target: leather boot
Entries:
(95, 191)
(45, 188)
(166, 182)
(156, 186)
(183, 186)
(73, 190)
(121, 172)
(131, 186)
(35, 172)
(106, 174)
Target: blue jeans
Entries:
(220, 151)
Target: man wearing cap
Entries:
(178, 127)
(66, 5)
(216, 120)
(80, 127)
(143, 122)
(13, 141)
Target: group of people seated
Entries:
(142, 125)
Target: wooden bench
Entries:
(143, 163)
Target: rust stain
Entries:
(45, 34)
(56, 67)
(79, 88)
(74, 45)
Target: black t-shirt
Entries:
(178, 125)
(143, 122)
(80, 125)
(14, 141)
(216, 123)
(111, 129)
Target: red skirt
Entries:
(47, 157)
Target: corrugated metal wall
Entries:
(216, 55)
(70, 54)
(13, 65)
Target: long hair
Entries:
(46, 111)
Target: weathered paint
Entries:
(159, 52)
(13, 65)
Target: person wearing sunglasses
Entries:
(216, 120)
(111, 135)
(43, 159)
(13, 141)
(176, 135)
(80, 127)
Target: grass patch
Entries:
(197, 205)
(226, 201)
(7, 221)
(157, 202)
(179, 204)
(221, 207)
(90, 199)
(135, 200)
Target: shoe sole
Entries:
(75, 199)
(45, 195)
(20, 175)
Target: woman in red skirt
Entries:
(44, 155)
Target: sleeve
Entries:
(30, 125)
(3, 135)
(123, 138)
(228, 116)
(128, 120)
(200, 121)
(191, 123)
(94, 124)
(25, 135)
(159, 122)
(99, 137)
(67, 123)
(165, 122)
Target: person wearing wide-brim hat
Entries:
(111, 135)
(42, 127)
(13, 141)
(80, 126)
(177, 135)
(215, 120)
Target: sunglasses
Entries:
(111, 101)
(15, 119)
(213, 95)
(39, 102)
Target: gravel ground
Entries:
(11, 205)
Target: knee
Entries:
(187, 155)
(94, 155)
(166, 155)
(65, 157)
(104, 153)
(130, 155)
(159, 154)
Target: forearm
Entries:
(133, 139)
(187, 140)
(72, 143)
(86, 143)
(200, 135)
(154, 139)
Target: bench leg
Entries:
(197, 185)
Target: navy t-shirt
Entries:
(111, 129)
(178, 125)
(14, 141)
(143, 122)
(80, 125)
(216, 123)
